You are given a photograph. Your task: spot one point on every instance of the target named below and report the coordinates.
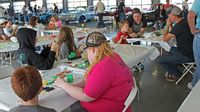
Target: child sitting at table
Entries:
(66, 43)
(55, 23)
(27, 85)
(10, 29)
(123, 34)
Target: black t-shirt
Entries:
(121, 7)
(184, 38)
(136, 27)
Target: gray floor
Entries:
(156, 94)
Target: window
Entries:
(37, 2)
(179, 2)
(18, 6)
(72, 4)
(50, 3)
(5, 5)
(108, 4)
(141, 4)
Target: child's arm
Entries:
(121, 39)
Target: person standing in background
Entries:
(55, 8)
(100, 7)
(29, 10)
(122, 11)
(35, 10)
(193, 13)
(185, 7)
(24, 13)
(167, 5)
(44, 10)
(11, 13)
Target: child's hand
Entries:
(59, 82)
(122, 37)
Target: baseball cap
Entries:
(176, 11)
(2, 21)
(169, 9)
(95, 39)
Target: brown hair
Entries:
(103, 50)
(26, 82)
(123, 23)
(66, 35)
(33, 21)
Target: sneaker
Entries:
(190, 85)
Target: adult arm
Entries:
(74, 91)
(191, 22)
(167, 36)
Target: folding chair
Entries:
(187, 68)
(131, 96)
(6, 71)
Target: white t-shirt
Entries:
(100, 7)
(185, 4)
(7, 31)
(39, 28)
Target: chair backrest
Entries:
(131, 96)
(6, 71)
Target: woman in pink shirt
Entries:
(108, 80)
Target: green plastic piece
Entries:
(54, 77)
(70, 78)
(50, 82)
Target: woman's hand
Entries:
(59, 82)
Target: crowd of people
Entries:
(101, 89)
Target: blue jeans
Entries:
(122, 16)
(170, 60)
(196, 50)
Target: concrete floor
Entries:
(156, 94)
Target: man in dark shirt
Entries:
(137, 24)
(183, 52)
(121, 9)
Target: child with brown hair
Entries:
(66, 43)
(27, 85)
(122, 35)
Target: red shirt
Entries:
(109, 82)
(119, 34)
(167, 6)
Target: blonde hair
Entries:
(121, 24)
(103, 50)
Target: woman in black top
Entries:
(161, 17)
